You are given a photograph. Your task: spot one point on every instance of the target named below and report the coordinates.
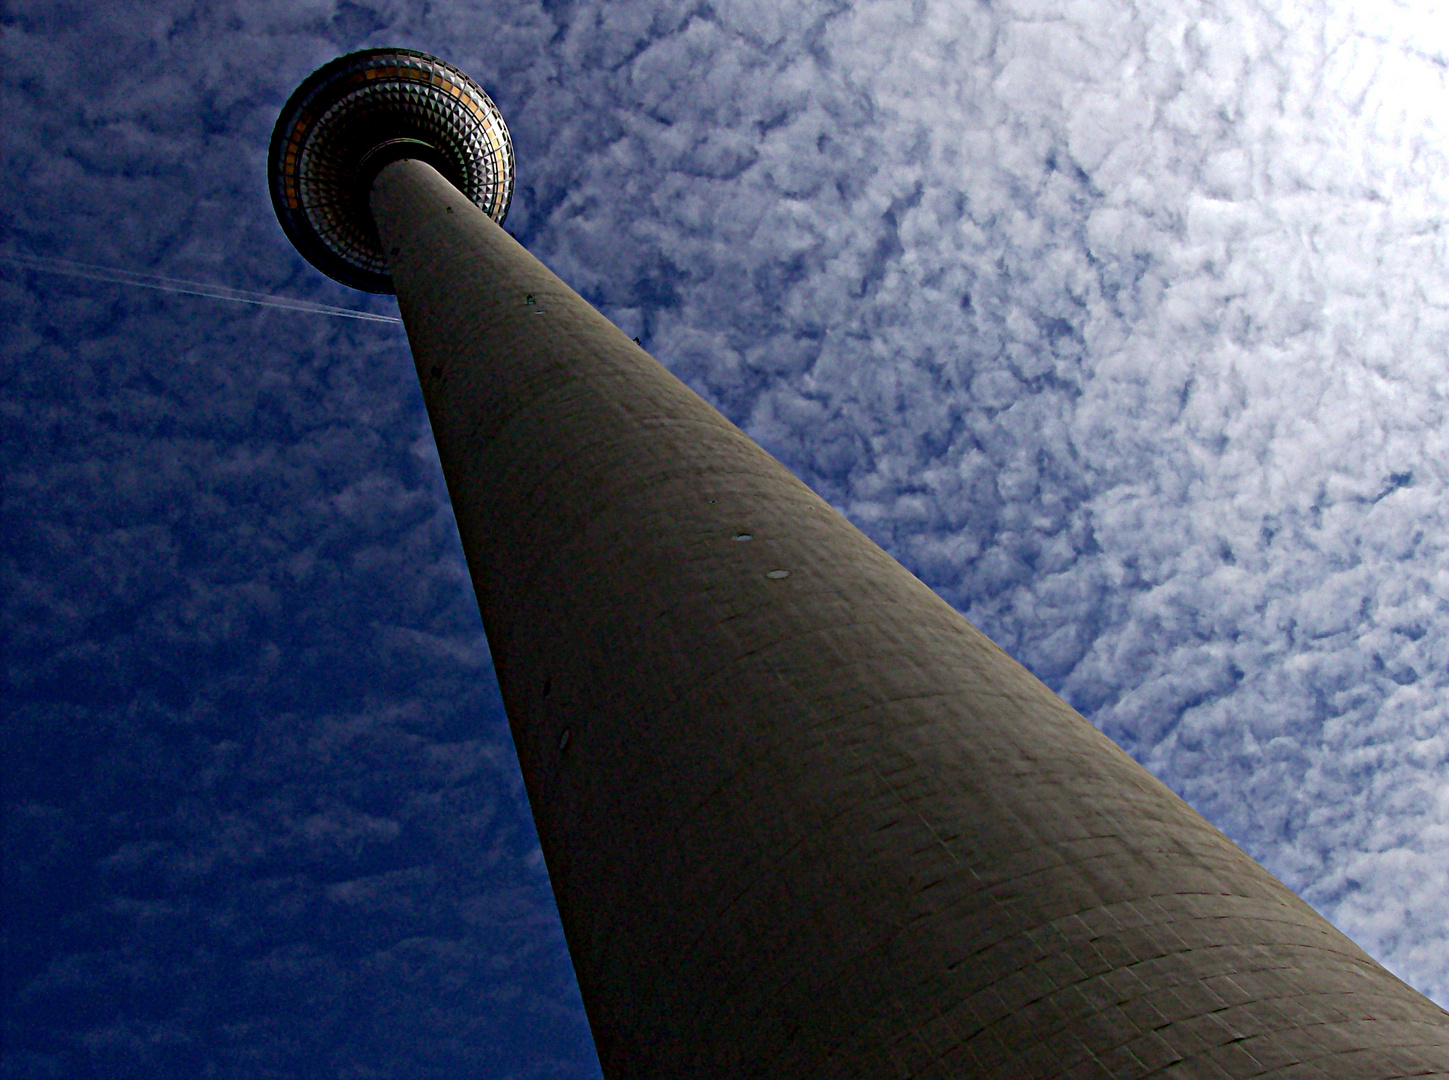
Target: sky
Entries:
(1124, 324)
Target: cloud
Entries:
(1121, 325)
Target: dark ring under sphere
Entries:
(351, 117)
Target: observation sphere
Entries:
(356, 114)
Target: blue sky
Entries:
(1121, 324)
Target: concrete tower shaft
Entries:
(801, 818)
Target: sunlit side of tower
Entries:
(800, 817)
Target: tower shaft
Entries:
(800, 817)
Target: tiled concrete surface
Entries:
(817, 824)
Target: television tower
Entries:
(800, 817)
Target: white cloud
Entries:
(1181, 449)
(1123, 324)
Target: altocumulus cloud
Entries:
(1123, 325)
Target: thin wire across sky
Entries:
(90, 272)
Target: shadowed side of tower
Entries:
(800, 817)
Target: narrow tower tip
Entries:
(356, 114)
